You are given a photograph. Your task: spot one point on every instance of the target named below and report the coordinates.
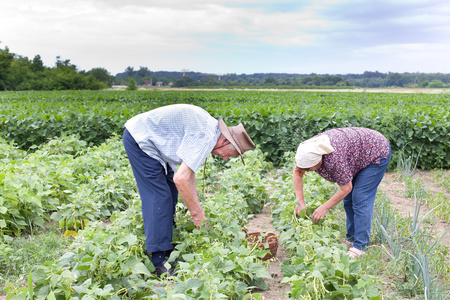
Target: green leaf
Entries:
(194, 283)
(188, 257)
(51, 296)
(30, 286)
(39, 276)
(130, 238)
(263, 273)
(140, 268)
(317, 274)
(227, 266)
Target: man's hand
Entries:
(200, 221)
(186, 185)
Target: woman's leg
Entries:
(364, 192)
(350, 222)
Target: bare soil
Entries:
(394, 188)
(263, 222)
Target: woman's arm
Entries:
(321, 211)
(297, 179)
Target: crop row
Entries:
(415, 124)
(107, 259)
(318, 266)
(109, 262)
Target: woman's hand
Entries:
(299, 208)
(319, 213)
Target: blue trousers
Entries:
(358, 204)
(158, 194)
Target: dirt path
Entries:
(394, 189)
(263, 222)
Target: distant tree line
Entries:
(20, 73)
(366, 80)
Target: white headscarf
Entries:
(309, 153)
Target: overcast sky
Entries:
(228, 36)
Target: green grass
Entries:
(20, 254)
(443, 178)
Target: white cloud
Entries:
(231, 35)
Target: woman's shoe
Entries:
(355, 253)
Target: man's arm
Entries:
(187, 187)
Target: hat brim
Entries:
(226, 133)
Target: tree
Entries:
(436, 84)
(423, 82)
(131, 86)
(6, 59)
(394, 79)
(65, 65)
(143, 72)
(37, 65)
(209, 81)
(130, 71)
(270, 81)
(185, 81)
(102, 75)
(20, 74)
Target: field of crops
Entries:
(277, 121)
(65, 184)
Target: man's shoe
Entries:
(159, 271)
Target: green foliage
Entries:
(318, 266)
(277, 121)
(19, 73)
(436, 84)
(413, 246)
(184, 82)
(64, 178)
(131, 86)
(21, 254)
(102, 75)
(108, 261)
(6, 58)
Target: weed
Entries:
(22, 254)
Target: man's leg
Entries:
(156, 196)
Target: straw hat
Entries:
(237, 136)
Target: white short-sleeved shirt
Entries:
(175, 133)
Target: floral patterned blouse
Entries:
(355, 149)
